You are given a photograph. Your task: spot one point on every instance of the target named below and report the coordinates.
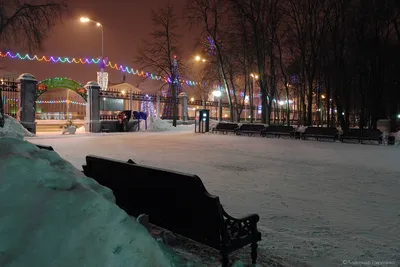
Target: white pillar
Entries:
(92, 121)
(27, 101)
(184, 106)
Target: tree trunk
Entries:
(175, 106)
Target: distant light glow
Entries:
(217, 93)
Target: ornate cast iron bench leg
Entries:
(254, 247)
(225, 260)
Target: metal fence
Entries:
(9, 94)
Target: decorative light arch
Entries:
(59, 82)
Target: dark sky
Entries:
(126, 23)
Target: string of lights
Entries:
(67, 60)
(60, 102)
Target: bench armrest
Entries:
(251, 217)
(239, 229)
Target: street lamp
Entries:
(218, 94)
(246, 100)
(254, 77)
(199, 58)
(98, 24)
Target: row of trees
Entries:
(338, 60)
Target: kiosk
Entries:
(202, 121)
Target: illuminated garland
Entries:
(59, 102)
(89, 61)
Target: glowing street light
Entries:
(255, 76)
(253, 84)
(199, 58)
(217, 93)
(98, 24)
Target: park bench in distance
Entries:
(225, 128)
(278, 130)
(320, 133)
(364, 135)
(250, 129)
(177, 202)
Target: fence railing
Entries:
(108, 117)
(9, 96)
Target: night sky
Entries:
(126, 23)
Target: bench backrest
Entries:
(321, 130)
(175, 201)
(251, 127)
(371, 133)
(352, 133)
(226, 126)
(280, 129)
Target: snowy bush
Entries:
(12, 128)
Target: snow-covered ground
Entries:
(320, 203)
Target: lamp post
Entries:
(218, 94)
(254, 78)
(98, 24)
(201, 87)
(246, 100)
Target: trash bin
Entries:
(202, 121)
(391, 140)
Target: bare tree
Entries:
(205, 75)
(27, 23)
(159, 52)
(211, 15)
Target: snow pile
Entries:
(397, 138)
(155, 124)
(81, 129)
(52, 215)
(301, 129)
(12, 128)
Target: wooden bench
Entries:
(225, 128)
(277, 131)
(45, 147)
(175, 201)
(362, 135)
(320, 133)
(250, 129)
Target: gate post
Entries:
(27, 105)
(92, 119)
(184, 106)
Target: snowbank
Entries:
(52, 215)
(397, 138)
(12, 128)
(80, 129)
(155, 124)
